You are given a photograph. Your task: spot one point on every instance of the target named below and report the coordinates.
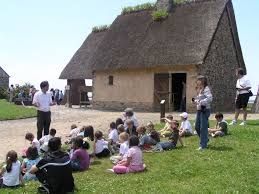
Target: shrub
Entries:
(100, 28)
(142, 7)
(3, 93)
(159, 15)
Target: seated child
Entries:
(74, 131)
(101, 146)
(150, 127)
(131, 129)
(89, 137)
(34, 142)
(82, 132)
(221, 128)
(145, 141)
(120, 129)
(118, 122)
(124, 147)
(80, 158)
(32, 158)
(134, 161)
(11, 172)
(45, 140)
(173, 138)
(113, 137)
(186, 127)
(166, 131)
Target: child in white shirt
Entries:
(11, 172)
(113, 137)
(100, 146)
(74, 131)
(186, 127)
(45, 140)
(34, 142)
(124, 147)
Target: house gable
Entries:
(220, 65)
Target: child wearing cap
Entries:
(166, 131)
(186, 127)
(221, 128)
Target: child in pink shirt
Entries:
(134, 161)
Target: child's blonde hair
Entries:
(124, 136)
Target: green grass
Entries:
(97, 29)
(230, 165)
(159, 15)
(137, 8)
(11, 111)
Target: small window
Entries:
(110, 80)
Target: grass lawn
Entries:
(230, 165)
(11, 111)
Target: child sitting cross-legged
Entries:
(124, 147)
(166, 131)
(100, 146)
(173, 138)
(34, 142)
(11, 172)
(221, 128)
(113, 137)
(186, 127)
(45, 140)
(134, 161)
(145, 141)
(32, 158)
(79, 157)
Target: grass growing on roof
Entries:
(11, 111)
(159, 15)
(142, 7)
(230, 165)
(178, 2)
(100, 28)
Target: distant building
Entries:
(4, 79)
(138, 62)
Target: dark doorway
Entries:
(179, 92)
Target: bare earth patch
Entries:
(12, 132)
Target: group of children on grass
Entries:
(124, 145)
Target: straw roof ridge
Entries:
(136, 41)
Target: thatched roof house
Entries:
(78, 69)
(141, 61)
(4, 79)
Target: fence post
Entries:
(162, 110)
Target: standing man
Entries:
(11, 93)
(243, 87)
(42, 100)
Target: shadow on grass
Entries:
(252, 124)
(96, 162)
(220, 148)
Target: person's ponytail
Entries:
(11, 157)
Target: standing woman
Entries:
(243, 87)
(42, 100)
(203, 101)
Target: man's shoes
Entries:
(234, 122)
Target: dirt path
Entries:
(12, 132)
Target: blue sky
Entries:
(38, 38)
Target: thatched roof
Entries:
(78, 67)
(136, 41)
(3, 73)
